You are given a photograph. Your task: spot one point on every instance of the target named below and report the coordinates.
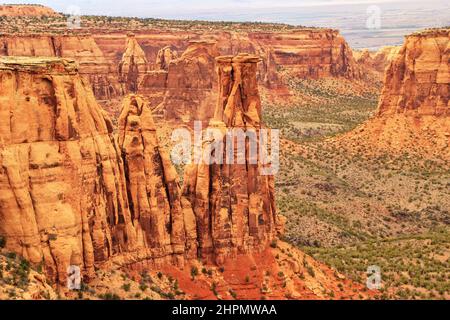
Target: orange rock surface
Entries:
(414, 110)
(187, 90)
(102, 75)
(234, 203)
(133, 65)
(167, 222)
(74, 193)
(66, 197)
(62, 188)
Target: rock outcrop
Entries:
(27, 10)
(62, 199)
(307, 53)
(166, 218)
(82, 48)
(378, 60)
(187, 90)
(417, 81)
(133, 65)
(66, 197)
(375, 63)
(233, 203)
(165, 56)
(414, 111)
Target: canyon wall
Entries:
(414, 112)
(308, 53)
(32, 10)
(175, 70)
(66, 196)
(75, 193)
(187, 90)
(417, 81)
(167, 222)
(133, 65)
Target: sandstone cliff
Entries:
(74, 193)
(308, 53)
(414, 110)
(375, 63)
(187, 90)
(62, 189)
(66, 197)
(133, 65)
(165, 56)
(234, 203)
(378, 60)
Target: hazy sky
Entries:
(170, 8)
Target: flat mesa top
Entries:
(38, 64)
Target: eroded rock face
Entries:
(233, 203)
(165, 56)
(82, 48)
(187, 90)
(63, 197)
(30, 10)
(377, 61)
(417, 81)
(308, 53)
(414, 111)
(133, 65)
(66, 197)
(166, 220)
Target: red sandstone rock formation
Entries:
(414, 110)
(187, 90)
(234, 203)
(72, 193)
(307, 53)
(375, 63)
(167, 220)
(165, 56)
(417, 81)
(133, 65)
(378, 60)
(66, 198)
(82, 48)
(62, 199)
(27, 10)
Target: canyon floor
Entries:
(350, 210)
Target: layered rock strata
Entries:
(27, 10)
(417, 81)
(93, 66)
(66, 197)
(165, 56)
(233, 202)
(166, 219)
(187, 90)
(133, 65)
